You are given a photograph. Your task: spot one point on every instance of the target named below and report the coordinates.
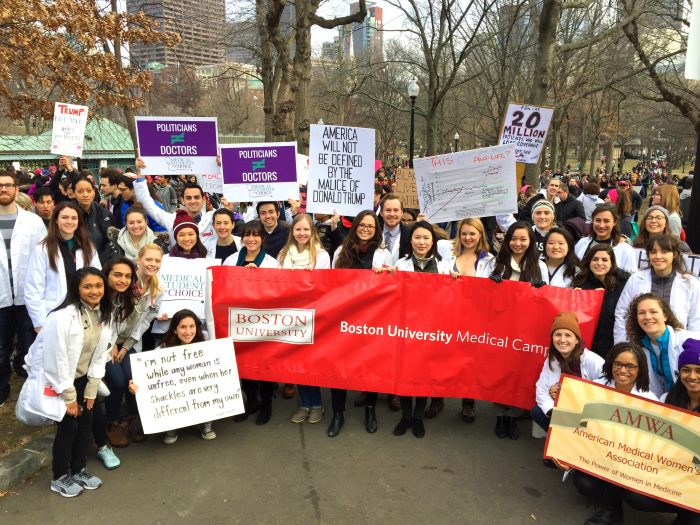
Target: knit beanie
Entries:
(656, 208)
(543, 203)
(690, 354)
(183, 220)
(566, 320)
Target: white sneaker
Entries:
(170, 437)
(66, 486)
(87, 480)
(206, 432)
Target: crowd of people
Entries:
(80, 295)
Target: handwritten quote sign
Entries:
(406, 187)
(692, 261)
(341, 170)
(186, 385)
(475, 183)
(526, 128)
(68, 132)
(184, 283)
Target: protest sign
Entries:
(211, 183)
(475, 183)
(260, 172)
(341, 170)
(643, 445)
(177, 145)
(185, 385)
(692, 57)
(692, 261)
(68, 131)
(526, 127)
(406, 187)
(409, 333)
(302, 169)
(183, 282)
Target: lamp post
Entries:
(456, 137)
(320, 122)
(413, 91)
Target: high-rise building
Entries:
(200, 24)
(367, 36)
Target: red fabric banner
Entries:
(408, 333)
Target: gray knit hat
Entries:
(656, 208)
(543, 203)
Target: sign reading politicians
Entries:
(186, 385)
(408, 333)
(526, 127)
(643, 445)
(260, 172)
(341, 170)
(68, 133)
(177, 145)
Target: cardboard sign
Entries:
(185, 385)
(69, 121)
(643, 445)
(260, 172)
(341, 170)
(526, 127)
(177, 145)
(406, 187)
(184, 284)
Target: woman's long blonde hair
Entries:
(154, 288)
(482, 246)
(314, 246)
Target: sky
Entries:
(392, 18)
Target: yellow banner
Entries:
(642, 445)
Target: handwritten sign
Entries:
(68, 132)
(177, 145)
(406, 187)
(475, 183)
(184, 284)
(644, 445)
(260, 172)
(211, 182)
(526, 127)
(302, 169)
(186, 385)
(341, 170)
(692, 261)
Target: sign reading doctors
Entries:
(260, 172)
(526, 127)
(177, 145)
(341, 170)
(68, 131)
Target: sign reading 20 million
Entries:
(526, 127)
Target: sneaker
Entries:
(170, 437)
(206, 432)
(108, 458)
(300, 415)
(66, 486)
(87, 480)
(315, 414)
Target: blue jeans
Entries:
(310, 396)
(14, 320)
(117, 376)
(540, 417)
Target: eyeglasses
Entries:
(366, 227)
(7, 186)
(655, 218)
(627, 366)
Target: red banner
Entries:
(408, 333)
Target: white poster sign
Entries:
(692, 57)
(211, 183)
(692, 261)
(184, 284)
(302, 169)
(68, 132)
(186, 385)
(341, 170)
(475, 183)
(526, 127)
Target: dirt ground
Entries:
(13, 434)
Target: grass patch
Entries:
(15, 435)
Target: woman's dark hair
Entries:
(427, 226)
(591, 188)
(642, 381)
(529, 264)
(136, 208)
(565, 363)
(678, 395)
(634, 331)
(351, 244)
(610, 279)
(615, 234)
(254, 228)
(170, 337)
(623, 206)
(81, 237)
(224, 211)
(198, 248)
(125, 302)
(73, 293)
(667, 243)
(80, 178)
(571, 262)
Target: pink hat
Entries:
(524, 188)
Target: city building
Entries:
(367, 36)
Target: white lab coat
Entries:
(406, 265)
(625, 255)
(685, 300)
(268, 261)
(675, 347)
(45, 288)
(211, 249)
(647, 395)
(29, 230)
(484, 266)
(380, 259)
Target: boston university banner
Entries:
(408, 333)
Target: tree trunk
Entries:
(302, 76)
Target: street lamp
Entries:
(413, 91)
(456, 137)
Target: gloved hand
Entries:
(496, 278)
(538, 284)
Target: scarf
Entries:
(295, 260)
(663, 368)
(131, 250)
(176, 251)
(243, 254)
(428, 265)
(515, 270)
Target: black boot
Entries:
(468, 410)
(402, 427)
(501, 427)
(336, 424)
(370, 420)
(264, 415)
(418, 428)
(605, 517)
(512, 427)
